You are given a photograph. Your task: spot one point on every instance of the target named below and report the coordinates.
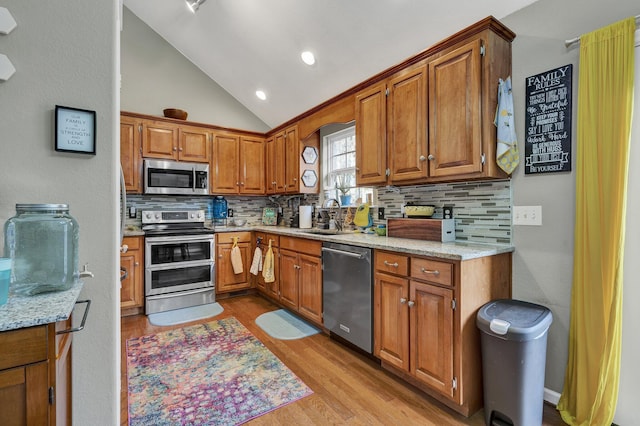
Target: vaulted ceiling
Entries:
(249, 45)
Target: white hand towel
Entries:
(256, 264)
(507, 155)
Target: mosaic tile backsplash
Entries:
(482, 210)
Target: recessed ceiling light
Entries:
(308, 58)
(261, 95)
(194, 5)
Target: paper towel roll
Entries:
(305, 216)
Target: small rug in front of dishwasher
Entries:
(283, 325)
(180, 316)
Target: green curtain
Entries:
(605, 104)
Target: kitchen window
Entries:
(339, 168)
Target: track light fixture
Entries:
(194, 5)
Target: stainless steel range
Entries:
(179, 260)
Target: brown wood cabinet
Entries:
(424, 321)
(132, 290)
(35, 375)
(226, 279)
(282, 153)
(391, 133)
(238, 164)
(401, 141)
(301, 277)
(272, 289)
(131, 153)
(170, 141)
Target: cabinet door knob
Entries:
(411, 303)
(428, 271)
(431, 157)
(175, 148)
(403, 300)
(137, 264)
(423, 158)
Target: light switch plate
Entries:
(527, 215)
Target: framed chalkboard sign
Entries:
(548, 121)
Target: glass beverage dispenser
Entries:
(219, 210)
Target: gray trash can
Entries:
(514, 346)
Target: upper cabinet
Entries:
(237, 164)
(292, 164)
(131, 153)
(170, 141)
(432, 120)
(391, 131)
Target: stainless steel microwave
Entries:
(175, 177)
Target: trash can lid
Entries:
(514, 319)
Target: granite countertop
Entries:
(45, 308)
(453, 250)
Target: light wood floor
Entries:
(348, 387)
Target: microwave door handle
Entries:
(193, 180)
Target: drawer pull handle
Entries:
(84, 319)
(395, 265)
(427, 271)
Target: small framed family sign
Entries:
(75, 130)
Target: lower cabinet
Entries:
(35, 376)
(226, 278)
(300, 279)
(262, 241)
(132, 286)
(424, 321)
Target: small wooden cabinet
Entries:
(132, 287)
(238, 164)
(35, 375)
(391, 132)
(131, 153)
(226, 279)
(282, 153)
(424, 321)
(170, 141)
(301, 276)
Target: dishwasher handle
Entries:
(346, 253)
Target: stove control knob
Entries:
(192, 215)
(157, 216)
(199, 215)
(148, 215)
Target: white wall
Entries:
(65, 52)
(543, 260)
(155, 76)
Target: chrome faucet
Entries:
(330, 203)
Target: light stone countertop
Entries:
(453, 250)
(45, 308)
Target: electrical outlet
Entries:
(527, 215)
(380, 213)
(229, 212)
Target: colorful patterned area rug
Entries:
(209, 374)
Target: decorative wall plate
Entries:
(309, 178)
(309, 155)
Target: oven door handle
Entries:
(179, 265)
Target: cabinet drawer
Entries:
(302, 245)
(392, 263)
(227, 237)
(24, 346)
(432, 271)
(275, 239)
(133, 243)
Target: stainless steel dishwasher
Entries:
(347, 290)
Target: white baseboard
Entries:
(551, 396)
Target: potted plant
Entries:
(342, 185)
